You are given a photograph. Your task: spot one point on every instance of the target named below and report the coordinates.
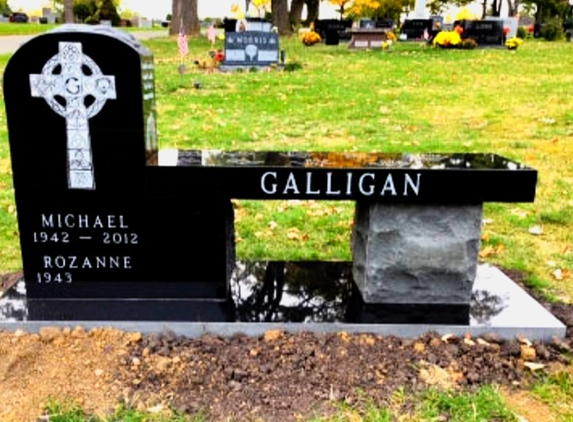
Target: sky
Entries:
(158, 9)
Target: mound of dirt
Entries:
(278, 376)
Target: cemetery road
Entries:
(9, 44)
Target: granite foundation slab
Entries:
(498, 306)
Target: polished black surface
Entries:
(346, 160)
(290, 291)
(111, 239)
(373, 177)
(484, 32)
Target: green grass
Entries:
(12, 28)
(484, 405)
(69, 411)
(556, 391)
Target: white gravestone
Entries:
(63, 77)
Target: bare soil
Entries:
(275, 377)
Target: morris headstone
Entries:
(251, 49)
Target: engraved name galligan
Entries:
(341, 184)
(83, 221)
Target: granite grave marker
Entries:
(82, 134)
(251, 49)
(107, 233)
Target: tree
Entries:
(438, 7)
(377, 9)
(5, 8)
(312, 9)
(184, 15)
(68, 11)
(549, 9)
(107, 11)
(341, 6)
(281, 18)
(83, 9)
(295, 14)
(261, 5)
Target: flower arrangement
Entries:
(311, 38)
(513, 43)
(447, 39)
(391, 36)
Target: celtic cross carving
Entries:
(75, 88)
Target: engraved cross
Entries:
(74, 87)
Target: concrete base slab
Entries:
(498, 306)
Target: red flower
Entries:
(459, 29)
(506, 30)
(219, 56)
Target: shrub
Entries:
(92, 20)
(469, 44)
(311, 38)
(552, 30)
(292, 66)
(522, 32)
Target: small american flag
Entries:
(426, 34)
(211, 34)
(182, 42)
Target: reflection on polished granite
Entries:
(320, 292)
(341, 160)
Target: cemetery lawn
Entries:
(409, 99)
(9, 28)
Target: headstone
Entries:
(258, 24)
(510, 24)
(413, 29)
(367, 23)
(94, 244)
(387, 24)
(108, 233)
(145, 23)
(331, 29)
(487, 32)
(251, 49)
(230, 25)
(366, 38)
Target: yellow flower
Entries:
(447, 39)
(513, 43)
(311, 38)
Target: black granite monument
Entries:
(486, 32)
(108, 233)
(88, 231)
